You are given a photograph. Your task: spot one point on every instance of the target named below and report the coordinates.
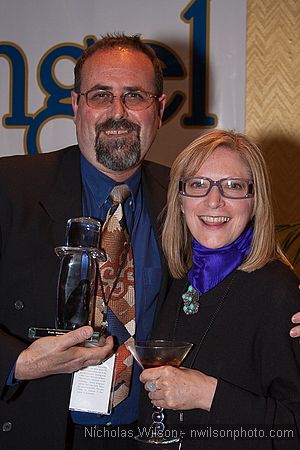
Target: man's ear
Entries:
(74, 97)
(161, 107)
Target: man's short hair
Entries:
(120, 40)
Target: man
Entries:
(118, 105)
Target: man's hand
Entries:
(295, 331)
(60, 354)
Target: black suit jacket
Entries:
(38, 194)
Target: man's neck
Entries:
(117, 175)
(120, 176)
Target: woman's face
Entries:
(213, 220)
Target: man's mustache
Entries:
(113, 124)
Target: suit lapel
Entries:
(63, 200)
(155, 180)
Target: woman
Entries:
(233, 295)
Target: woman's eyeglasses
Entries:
(235, 188)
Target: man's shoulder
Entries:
(46, 159)
(160, 173)
(155, 167)
(25, 174)
(33, 167)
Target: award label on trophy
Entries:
(77, 279)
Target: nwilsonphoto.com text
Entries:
(238, 432)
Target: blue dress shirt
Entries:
(147, 273)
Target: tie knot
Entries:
(119, 193)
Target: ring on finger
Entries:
(151, 386)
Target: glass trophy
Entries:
(76, 288)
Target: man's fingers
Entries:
(150, 375)
(75, 337)
(97, 354)
(296, 318)
(295, 332)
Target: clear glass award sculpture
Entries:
(77, 278)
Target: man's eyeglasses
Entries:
(134, 100)
(235, 188)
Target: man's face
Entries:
(115, 139)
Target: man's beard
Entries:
(118, 153)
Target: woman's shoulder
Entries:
(276, 272)
(273, 284)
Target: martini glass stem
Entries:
(158, 426)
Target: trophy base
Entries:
(36, 333)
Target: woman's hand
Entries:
(179, 388)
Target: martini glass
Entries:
(156, 353)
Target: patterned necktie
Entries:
(117, 283)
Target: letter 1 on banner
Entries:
(197, 14)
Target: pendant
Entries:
(190, 301)
(100, 322)
(104, 324)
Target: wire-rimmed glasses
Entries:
(133, 100)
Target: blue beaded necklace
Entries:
(190, 300)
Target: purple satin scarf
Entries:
(212, 265)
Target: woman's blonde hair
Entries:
(176, 237)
